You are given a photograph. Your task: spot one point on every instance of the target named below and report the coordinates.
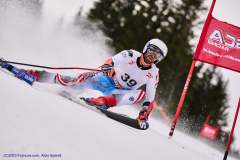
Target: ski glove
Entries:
(143, 114)
(107, 70)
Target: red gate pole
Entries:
(232, 131)
(197, 52)
(184, 92)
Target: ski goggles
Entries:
(156, 50)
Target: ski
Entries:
(142, 125)
(19, 73)
(124, 119)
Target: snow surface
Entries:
(36, 122)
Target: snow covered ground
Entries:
(38, 123)
(43, 125)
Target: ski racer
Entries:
(129, 77)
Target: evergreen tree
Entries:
(211, 100)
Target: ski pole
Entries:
(47, 67)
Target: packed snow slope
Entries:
(38, 122)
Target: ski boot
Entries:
(97, 102)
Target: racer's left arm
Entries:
(147, 105)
